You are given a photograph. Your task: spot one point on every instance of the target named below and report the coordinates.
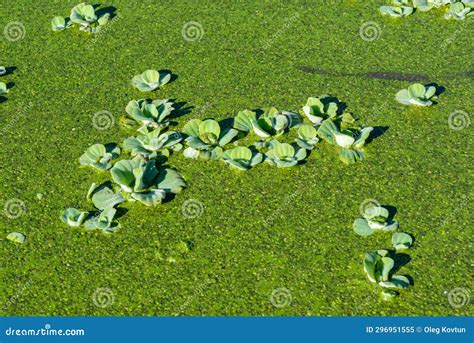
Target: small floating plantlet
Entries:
(205, 139)
(417, 94)
(284, 155)
(242, 158)
(150, 80)
(375, 218)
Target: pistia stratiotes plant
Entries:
(395, 11)
(150, 80)
(284, 155)
(206, 139)
(85, 16)
(16, 237)
(152, 144)
(3, 88)
(102, 221)
(417, 94)
(379, 266)
(242, 158)
(307, 137)
(100, 156)
(60, 23)
(140, 180)
(268, 123)
(401, 241)
(103, 197)
(74, 217)
(323, 107)
(375, 218)
(352, 141)
(460, 10)
(150, 113)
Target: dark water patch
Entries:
(388, 75)
(392, 75)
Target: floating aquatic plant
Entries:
(83, 15)
(379, 266)
(86, 17)
(460, 10)
(74, 217)
(206, 138)
(150, 113)
(266, 123)
(3, 88)
(323, 107)
(457, 9)
(401, 241)
(100, 156)
(16, 237)
(375, 218)
(102, 221)
(140, 180)
(284, 155)
(242, 158)
(352, 141)
(60, 23)
(151, 144)
(417, 94)
(307, 137)
(150, 80)
(395, 11)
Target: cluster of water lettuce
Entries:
(381, 265)
(456, 9)
(207, 138)
(143, 177)
(83, 15)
